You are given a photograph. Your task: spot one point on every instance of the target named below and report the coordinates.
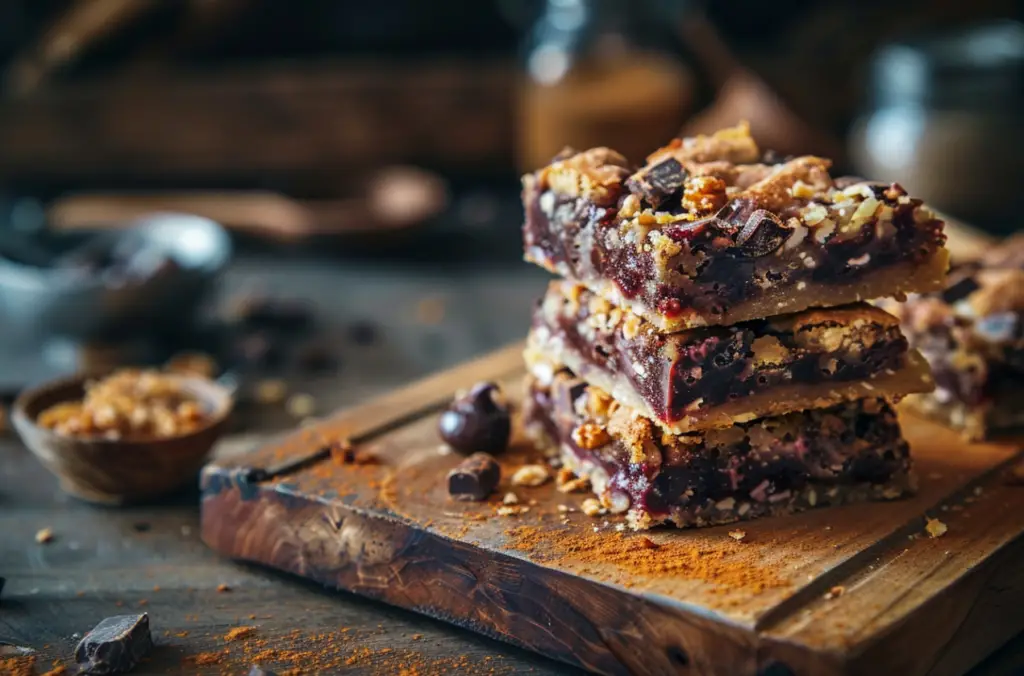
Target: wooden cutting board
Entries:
(851, 590)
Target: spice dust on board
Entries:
(726, 564)
(338, 651)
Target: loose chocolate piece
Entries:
(659, 182)
(478, 421)
(115, 645)
(475, 478)
(257, 670)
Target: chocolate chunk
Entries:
(257, 670)
(115, 645)
(960, 290)
(763, 234)
(479, 421)
(475, 478)
(656, 184)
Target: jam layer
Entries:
(716, 376)
(846, 453)
(710, 232)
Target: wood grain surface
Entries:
(834, 591)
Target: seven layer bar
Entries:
(689, 283)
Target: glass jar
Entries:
(600, 72)
(947, 122)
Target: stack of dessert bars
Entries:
(708, 355)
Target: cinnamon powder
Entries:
(728, 565)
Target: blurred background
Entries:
(364, 157)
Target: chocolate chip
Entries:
(656, 184)
(763, 234)
(141, 527)
(257, 670)
(478, 421)
(960, 290)
(475, 478)
(114, 645)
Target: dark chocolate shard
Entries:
(257, 670)
(656, 184)
(960, 290)
(115, 645)
(763, 234)
(475, 478)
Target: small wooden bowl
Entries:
(121, 471)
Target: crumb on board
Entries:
(44, 535)
(935, 528)
(510, 498)
(737, 534)
(592, 507)
(835, 592)
(223, 588)
(512, 510)
(236, 633)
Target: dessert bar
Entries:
(846, 453)
(710, 232)
(972, 334)
(716, 376)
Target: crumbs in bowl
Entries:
(130, 403)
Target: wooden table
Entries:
(109, 561)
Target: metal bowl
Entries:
(73, 301)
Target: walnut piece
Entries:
(596, 174)
(589, 436)
(530, 475)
